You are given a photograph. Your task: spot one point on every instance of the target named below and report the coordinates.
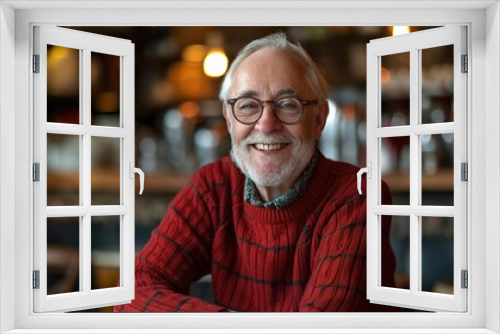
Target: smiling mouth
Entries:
(269, 147)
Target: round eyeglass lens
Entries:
(247, 110)
(288, 110)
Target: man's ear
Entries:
(324, 110)
(226, 113)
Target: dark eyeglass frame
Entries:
(262, 103)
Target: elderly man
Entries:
(279, 226)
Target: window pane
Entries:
(63, 166)
(105, 89)
(437, 169)
(437, 84)
(395, 89)
(105, 171)
(63, 85)
(400, 243)
(63, 255)
(395, 167)
(437, 254)
(105, 236)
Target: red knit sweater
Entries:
(309, 256)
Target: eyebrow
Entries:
(281, 92)
(287, 91)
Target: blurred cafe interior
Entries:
(179, 127)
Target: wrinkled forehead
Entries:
(270, 73)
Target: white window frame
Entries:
(413, 44)
(16, 21)
(85, 43)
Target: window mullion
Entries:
(85, 242)
(81, 250)
(415, 249)
(422, 211)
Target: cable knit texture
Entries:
(309, 256)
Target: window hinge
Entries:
(465, 279)
(464, 172)
(36, 63)
(36, 172)
(465, 64)
(36, 279)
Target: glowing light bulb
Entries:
(194, 53)
(58, 53)
(215, 64)
(400, 30)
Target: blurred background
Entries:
(179, 127)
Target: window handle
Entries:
(138, 171)
(368, 171)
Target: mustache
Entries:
(267, 139)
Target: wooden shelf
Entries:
(441, 181)
(108, 181)
(170, 183)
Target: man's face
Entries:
(270, 153)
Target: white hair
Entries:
(278, 41)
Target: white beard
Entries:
(271, 171)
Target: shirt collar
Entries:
(291, 195)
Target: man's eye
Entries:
(288, 104)
(247, 105)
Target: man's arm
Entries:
(338, 279)
(178, 253)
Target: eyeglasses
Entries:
(288, 110)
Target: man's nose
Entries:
(268, 122)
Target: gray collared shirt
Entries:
(291, 195)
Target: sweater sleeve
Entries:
(177, 254)
(338, 267)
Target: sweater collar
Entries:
(290, 196)
(310, 199)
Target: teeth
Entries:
(268, 147)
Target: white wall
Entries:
(486, 116)
(7, 159)
(492, 148)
